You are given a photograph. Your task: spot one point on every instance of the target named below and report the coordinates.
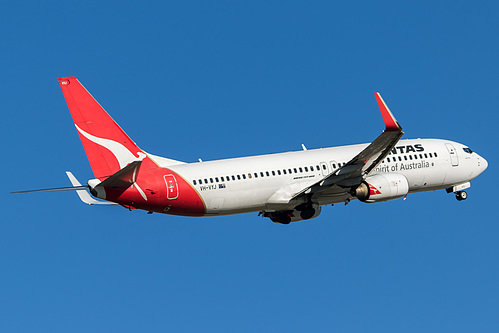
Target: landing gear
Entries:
(282, 218)
(278, 217)
(461, 195)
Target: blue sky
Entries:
(190, 80)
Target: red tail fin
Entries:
(107, 146)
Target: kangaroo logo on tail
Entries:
(122, 154)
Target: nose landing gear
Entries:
(461, 195)
(459, 191)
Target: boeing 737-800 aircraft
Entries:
(285, 187)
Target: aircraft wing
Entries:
(353, 172)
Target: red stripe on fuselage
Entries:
(151, 185)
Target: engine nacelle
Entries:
(382, 187)
(300, 213)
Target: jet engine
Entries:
(300, 213)
(381, 187)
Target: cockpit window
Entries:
(467, 150)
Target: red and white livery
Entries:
(285, 187)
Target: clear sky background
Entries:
(194, 79)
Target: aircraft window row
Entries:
(334, 165)
(256, 175)
(410, 157)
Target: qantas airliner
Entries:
(284, 187)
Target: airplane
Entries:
(285, 187)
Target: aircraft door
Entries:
(171, 187)
(324, 169)
(334, 165)
(453, 154)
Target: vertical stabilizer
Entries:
(108, 147)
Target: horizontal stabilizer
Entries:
(78, 188)
(82, 192)
(123, 178)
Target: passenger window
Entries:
(256, 174)
(410, 157)
(273, 173)
(238, 177)
(301, 170)
(206, 181)
(216, 179)
(279, 172)
(431, 156)
(211, 180)
(233, 178)
(244, 176)
(435, 154)
(311, 168)
(400, 158)
(405, 157)
(267, 173)
(222, 178)
(306, 169)
(261, 174)
(388, 159)
(228, 178)
(421, 156)
(425, 155)
(249, 175)
(295, 170)
(194, 182)
(324, 166)
(317, 167)
(415, 157)
(284, 171)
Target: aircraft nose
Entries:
(482, 164)
(485, 163)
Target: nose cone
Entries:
(482, 164)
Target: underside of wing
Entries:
(353, 172)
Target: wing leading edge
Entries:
(353, 172)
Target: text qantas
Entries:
(407, 149)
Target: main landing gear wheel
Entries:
(461, 195)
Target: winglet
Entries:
(390, 122)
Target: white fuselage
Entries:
(249, 184)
